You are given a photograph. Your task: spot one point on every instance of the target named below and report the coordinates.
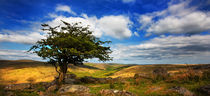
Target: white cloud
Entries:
(85, 22)
(29, 38)
(145, 20)
(114, 26)
(64, 8)
(128, 1)
(17, 55)
(136, 34)
(173, 49)
(176, 19)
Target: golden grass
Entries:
(79, 69)
(130, 71)
(124, 75)
(26, 72)
(23, 75)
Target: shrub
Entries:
(160, 74)
(206, 75)
(31, 80)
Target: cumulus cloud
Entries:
(176, 19)
(29, 38)
(193, 49)
(128, 1)
(17, 55)
(114, 26)
(64, 8)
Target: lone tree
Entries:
(71, 44)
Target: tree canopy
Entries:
(70, 44)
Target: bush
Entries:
(160, 74)
(206, 75)
(31, 80)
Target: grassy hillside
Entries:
(22, 71)
(188, 76)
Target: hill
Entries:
(145, 83)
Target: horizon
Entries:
(141, 31)
(23, 60)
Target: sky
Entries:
(141, 31)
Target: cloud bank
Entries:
(17, 55)
(195, 48)
(176, 19)
(113, 26)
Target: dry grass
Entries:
(40, 74)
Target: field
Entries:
(190, 77)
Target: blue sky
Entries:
(141, 31)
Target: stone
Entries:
(18, 86)
(78, 90)
(113, 92)
(41, 93)
(182, 90)
(52, 88)
(205, 89)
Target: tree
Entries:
(71, 44)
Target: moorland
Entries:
(140, 80)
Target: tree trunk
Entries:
(62, 74)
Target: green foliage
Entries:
(71, 44)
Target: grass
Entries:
(104, 72)
(38, 74)
(182, 75)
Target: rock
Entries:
(182, 90)
(205, 89)
(112, 92)
(79, 90)
(52, 88)
(41, 93)
(18, 86)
